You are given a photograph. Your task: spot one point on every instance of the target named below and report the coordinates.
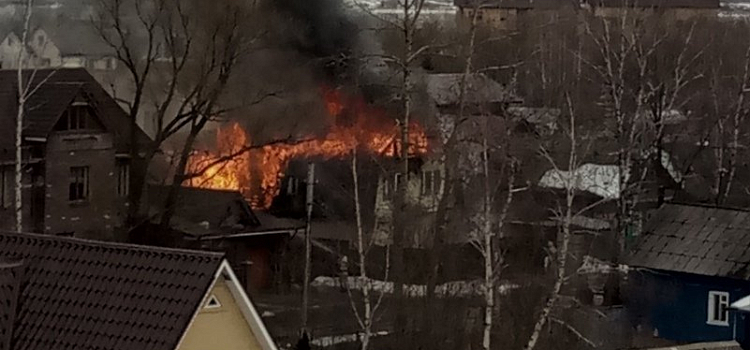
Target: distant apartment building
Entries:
(508, 14)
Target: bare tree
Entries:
(565, 215)
(367, 316)
(27, 85)
(22, 97)
(179, 64)
(407, 26)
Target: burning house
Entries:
(426, 183)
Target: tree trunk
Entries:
(399, 215)
(367, 321)
(179, 176)
(22, 96)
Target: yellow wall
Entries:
(222, 328)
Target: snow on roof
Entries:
(601, 180)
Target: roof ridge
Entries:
(117, 245)
(707, 206)
(198, 189)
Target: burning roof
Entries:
(256, 170)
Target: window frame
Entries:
(85, 176)
(428, 187)
(292, 186)
(7, 179)
(123, 178)
(713, 303)
(386, 187)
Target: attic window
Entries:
(80, 115)
(212, 303)
(76, 117)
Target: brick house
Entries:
(76, 146)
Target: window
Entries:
(427, 184)
(40, 40)
(386, 187)
(430, 182)
(292, 185)
(718, 308)
(7, 177)
(123, 178)
(79, 183)
(75, 117)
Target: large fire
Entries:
(257, 172)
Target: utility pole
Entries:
(308, 245)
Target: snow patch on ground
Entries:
(346, 338)
(450, 289)
(592, 265)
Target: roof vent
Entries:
(212, 303)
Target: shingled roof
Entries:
(222, 210)
(79, 294)
(694, 239)
(57, 89)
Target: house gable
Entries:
(57, 88)
(79, 115)
(226, 319)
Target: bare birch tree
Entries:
(565, 215)
(371, 303)
(22, 97)
(27, 85)
(407, 27)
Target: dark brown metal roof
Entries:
(79, 294)
(57, 89)
(694, 239)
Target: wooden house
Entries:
(686, 268)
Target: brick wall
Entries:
(94, 217)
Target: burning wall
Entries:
(256, 171)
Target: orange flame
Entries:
(257, 172)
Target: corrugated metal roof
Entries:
(79, 294)
(694, 239)
(56, 90)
